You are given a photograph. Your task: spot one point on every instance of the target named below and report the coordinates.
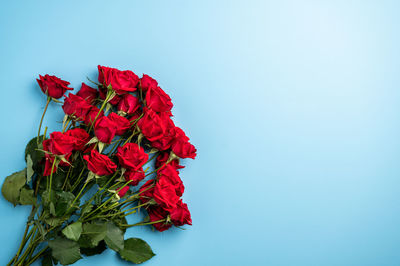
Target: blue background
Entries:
(294, 107)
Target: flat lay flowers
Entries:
(117, 153)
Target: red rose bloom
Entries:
(158, 100)
(151, 125)
(100, 164)
(146, 191)
(76, 106)
(128, 104)
(163, 158)
(181, 215)
(53, 86)
(134, 176)
(122, 191)
(91, 115)
(184, 149)
(157, 214)
(131, 156)
(105, 129)
(59, 143)
(81, 137)
(165, 195)
(121, 81)
(89, 94)
(170, 174)
(164, 143)
(147, 82)
(121, 122)
(181, 145)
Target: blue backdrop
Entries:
(294, 107)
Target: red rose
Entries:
(121, 122)
(76, 107)
(105, 129)
(100, 164)
(53, 86)
(103, 93)
(165, 195)
(128, 104)
(147, 82)
(91, 115)
(181, 145)
(164, 143)
(181, 215)
(89, 94)
(170, 174)
(146, 191)
(81, 138)
(59, 143)
(151, 125)
(121, 81)
(163, 158)
(158, 100)
(157, 214)
(134, 176)
(131, 156)
(122, 191)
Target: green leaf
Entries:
(64, 250)
(29, 168)
(114, 237)
(64, 202)
(47, 261)
(86, 209)
(136, 250)
(12, 186)
(94, 251)
(92, 234)
(27, 197)
(73, 231)
(32, 149)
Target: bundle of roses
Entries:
(82, 182)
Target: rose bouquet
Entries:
(83, 181)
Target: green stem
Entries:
(138, 224)
(109, 93)
(51, 178)
(37, 256)
(41, 120)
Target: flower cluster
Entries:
(110, 134)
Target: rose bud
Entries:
(100, 164)
(103, 94)
(163, 158)
(105, 129)
(53, 86)
(89, 94)
(164, 143)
